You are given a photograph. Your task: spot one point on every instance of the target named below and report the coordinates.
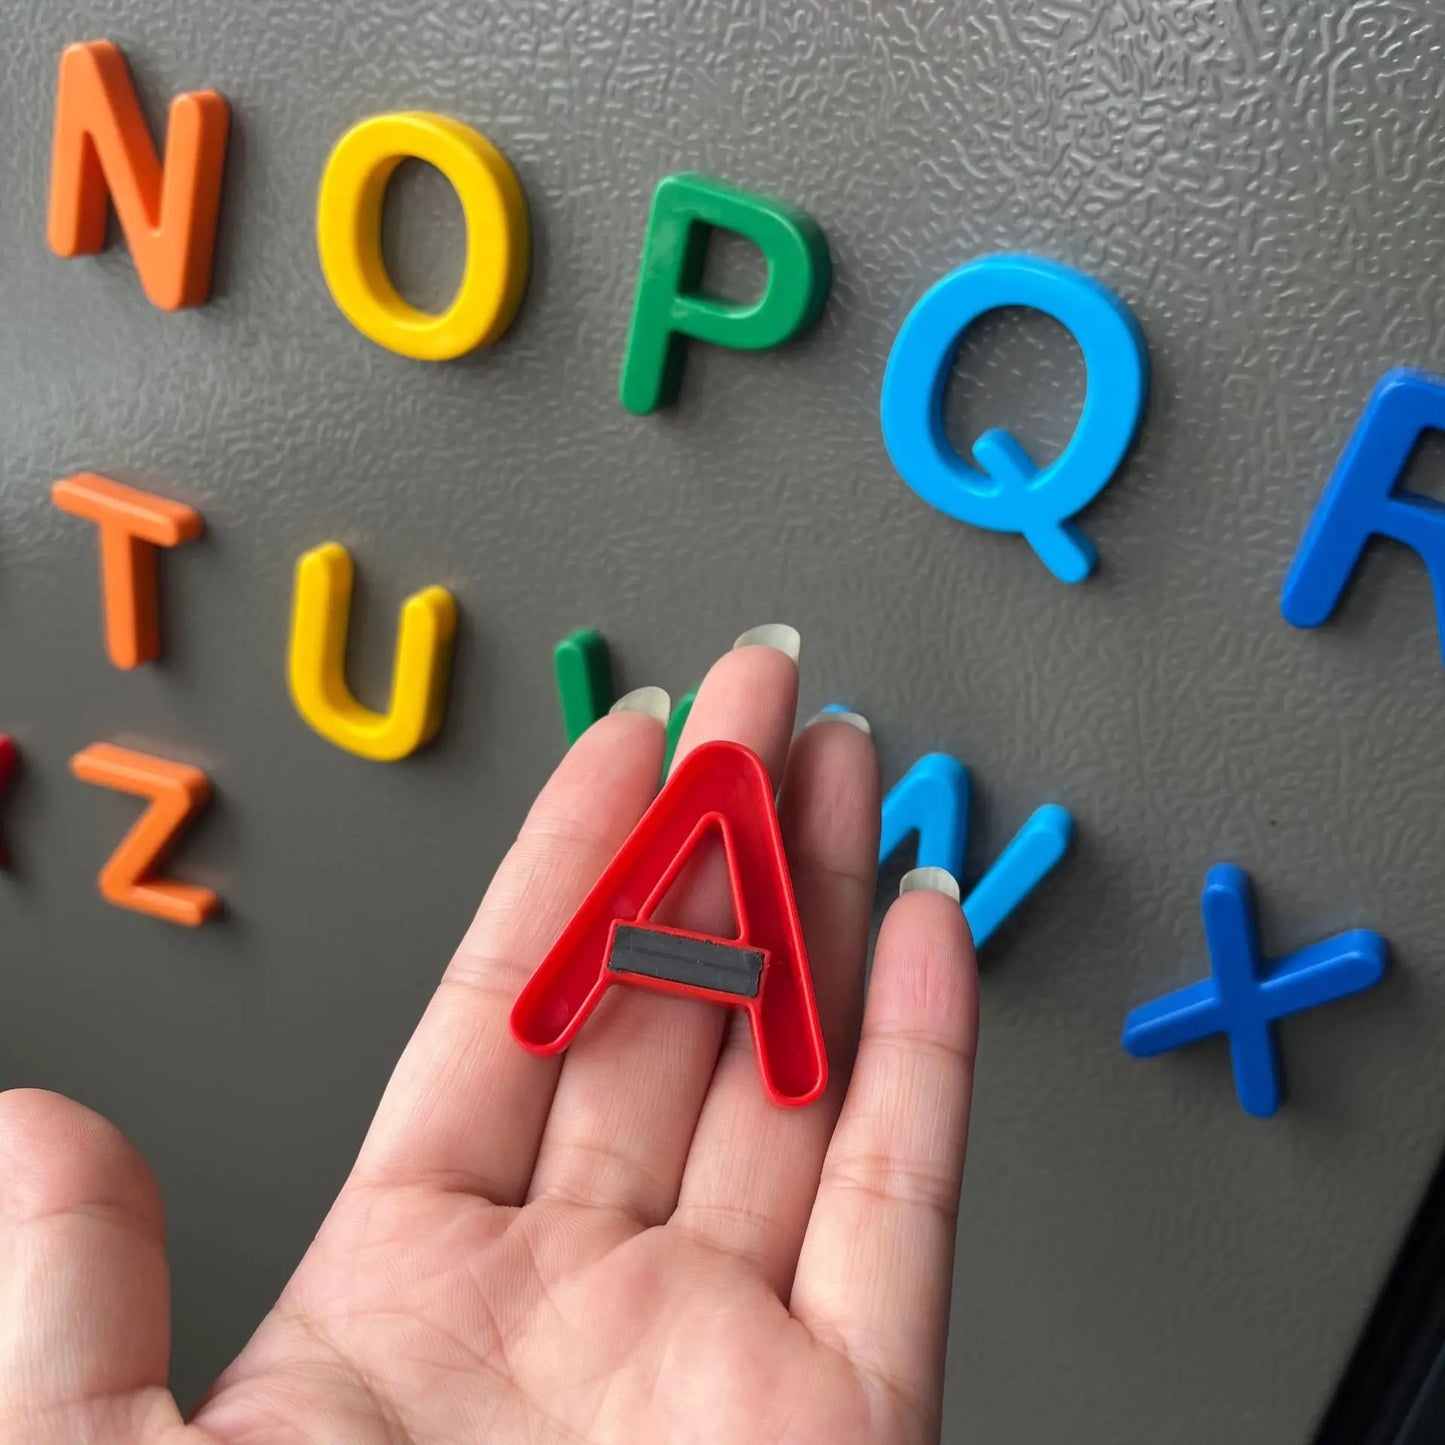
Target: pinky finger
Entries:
(875, 1277)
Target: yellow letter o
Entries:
(348, 234)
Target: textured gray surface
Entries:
(1263, 183)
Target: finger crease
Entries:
(478, 979)
(628, 1193)
(919, 1041)
(742, 1236)
(821, 867)
(886, 1180)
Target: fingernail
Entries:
(934, 880)
(777, 635)
(841, 714)
(653, 701)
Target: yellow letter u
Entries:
(320, 614)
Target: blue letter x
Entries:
(1248, 993)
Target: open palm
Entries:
(631, 1244)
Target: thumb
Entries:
(84, 1289)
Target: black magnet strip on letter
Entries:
(699, 962)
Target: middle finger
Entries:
(634, 1080)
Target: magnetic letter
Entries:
(669, 307)
(677, 720)
(720, 788)
(102, 146)
(584, 689)
(132, 525)
(1010, 493)
(584, 680)
(348, 234)
(1360, 501)
(9, 757)
(177, 793)
(320, 616)
(1248, 994)
(931, 802)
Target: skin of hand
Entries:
(627, 1243)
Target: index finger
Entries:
(466, 1104)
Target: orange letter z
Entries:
(177, 793)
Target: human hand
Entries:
(626, 1244)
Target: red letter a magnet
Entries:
(719, 787)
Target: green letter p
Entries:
(669, 307)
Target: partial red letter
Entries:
(9, 756)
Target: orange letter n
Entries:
(102, 147)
